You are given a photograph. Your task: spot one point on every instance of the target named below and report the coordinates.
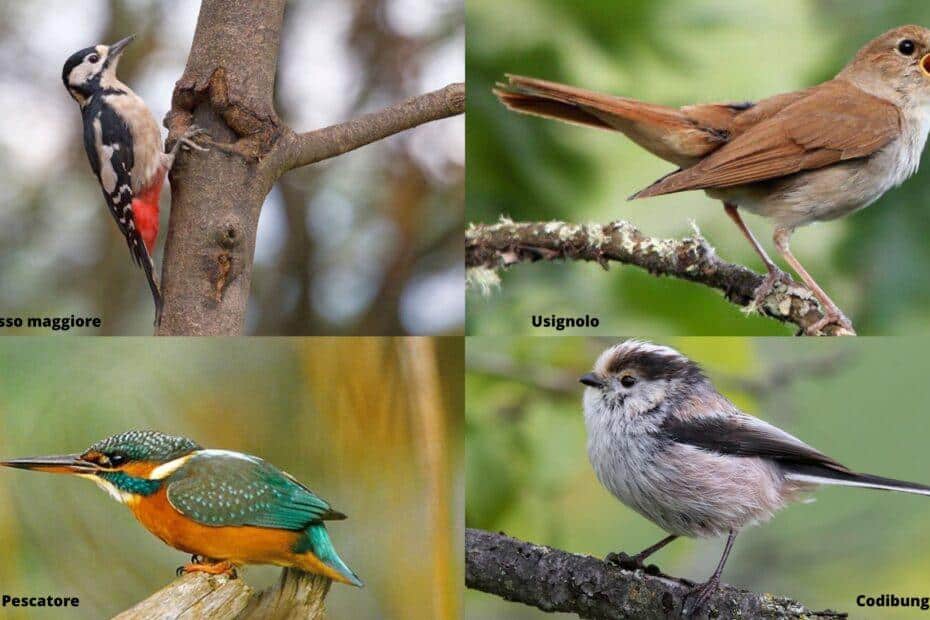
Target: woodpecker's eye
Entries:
(627, 381)
(907, 47)
(93, 58)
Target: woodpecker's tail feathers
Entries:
(825, 475)
(149, 268)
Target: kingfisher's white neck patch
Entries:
(119, 495)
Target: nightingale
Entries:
(807, 156)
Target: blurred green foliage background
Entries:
(372, 425)
(528, 474)
(674, 52)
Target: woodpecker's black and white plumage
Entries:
(124, 146)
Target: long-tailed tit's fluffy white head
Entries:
(637, 377)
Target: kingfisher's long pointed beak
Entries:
(117, 48)
(59, 464)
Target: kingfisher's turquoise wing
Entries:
(219, 488)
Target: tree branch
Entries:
(217, 597)
(553, 580)
(314, 146)
(496, 246)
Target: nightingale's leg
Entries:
(774, 273)
(831, 312)
(699, 596)
(633, 562)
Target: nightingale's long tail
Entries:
(824, 475)
(675, 135)
(316, 540)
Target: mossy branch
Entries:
(554, 580)
(490, 248)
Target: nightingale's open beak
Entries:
(63, 464)
(925, 65)
(592, 380)
(117, 48)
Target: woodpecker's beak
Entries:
(592, 380)
(63, 464)
(117, 48)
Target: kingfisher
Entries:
(225, 508)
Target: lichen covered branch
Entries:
(554, 580)
(314, 146)
(492, 247)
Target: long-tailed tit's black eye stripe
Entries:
(653, 363)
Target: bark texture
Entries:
(217, 597)
(216, 197)
(554, 580)
(496, 246)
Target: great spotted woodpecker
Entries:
(124, 146)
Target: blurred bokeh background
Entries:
(865, 405)
(372, 425)
(674, 52)
(401, 199)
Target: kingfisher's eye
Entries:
(93, 58)
(907, 47)
(627, 381)
(117, 459)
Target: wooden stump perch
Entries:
(218, 597)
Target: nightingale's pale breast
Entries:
(832, 192)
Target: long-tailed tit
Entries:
(667, 444)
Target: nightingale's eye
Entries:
(627, 381)
(93, 58)
(907, 47)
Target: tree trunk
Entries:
(216, 197)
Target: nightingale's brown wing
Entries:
(672, 134)
(833, 122)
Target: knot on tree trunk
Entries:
(252, 132)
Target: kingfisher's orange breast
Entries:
(238, 544)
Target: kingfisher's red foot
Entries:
(213, 568)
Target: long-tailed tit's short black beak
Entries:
(592, 380)
(117, 48)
